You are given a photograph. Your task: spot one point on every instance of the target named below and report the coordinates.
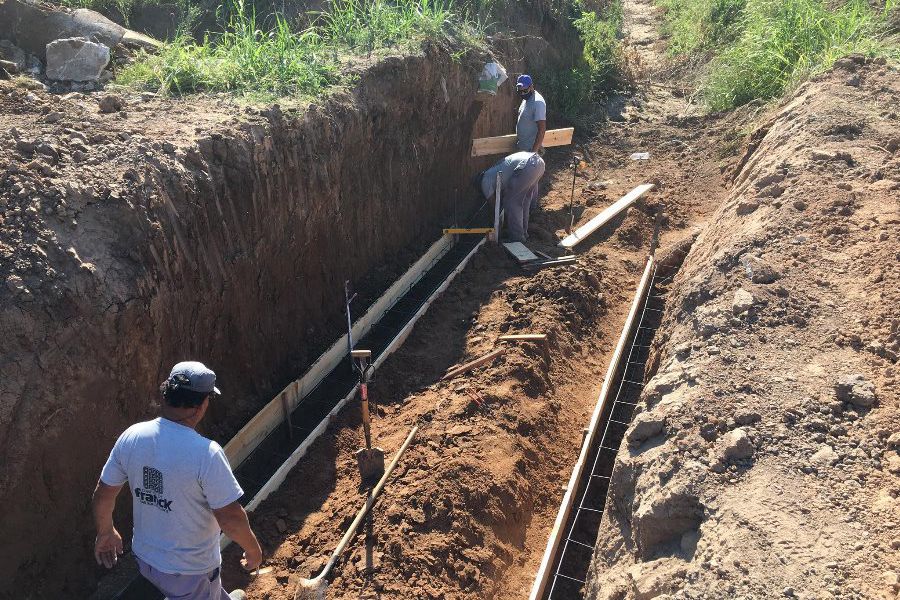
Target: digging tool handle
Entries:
(370, 502)
(367, 429)
(572, 196)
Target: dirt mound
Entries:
(773, 465)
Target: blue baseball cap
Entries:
(523, 82)
(194, 376)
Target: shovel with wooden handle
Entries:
(370, 460)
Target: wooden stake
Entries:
(475, 363)
(540, 338)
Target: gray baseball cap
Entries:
(194, 376)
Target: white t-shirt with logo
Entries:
(176, 478)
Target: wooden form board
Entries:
(557, 534)
(506, 144)
(272, 414)
(464, 230)
(520, 252)
(523, 337)
(279, 476)
(604, 217)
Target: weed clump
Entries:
(272, 60)
(601, 69)
(762, 48)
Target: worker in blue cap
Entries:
(183, 493)
(532, 122)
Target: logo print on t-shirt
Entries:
(153, 480)
(153, 485)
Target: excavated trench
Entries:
(198, 231)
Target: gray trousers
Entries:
(519, 195)
(185, 587)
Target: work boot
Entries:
(238, 595)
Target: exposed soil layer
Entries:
(135, 236)
(765, 462)
(468, 512)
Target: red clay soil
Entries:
(468, 511)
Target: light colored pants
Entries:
(518, 196)
(185, 587)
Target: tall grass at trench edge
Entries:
(578, 94)
(272, 60)
(762, 48)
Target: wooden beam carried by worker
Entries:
(506, 144)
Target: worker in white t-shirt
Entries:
(183, 493)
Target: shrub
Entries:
(245, 58)
(786, 41)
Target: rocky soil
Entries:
(765, 462)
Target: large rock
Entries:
(759, 271)
(734, 445)
(32, 26)
(855, 389)
(743, 302)
(76, 59)
(644, 427)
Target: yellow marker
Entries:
(458, 230)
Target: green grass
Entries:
(578, 92)
(365, 25)
(762, 48)
(272, 60)
(245, 58)
(698, 25)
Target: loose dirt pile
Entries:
(765, 462)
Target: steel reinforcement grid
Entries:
(571, 564)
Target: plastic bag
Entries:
(492, 76)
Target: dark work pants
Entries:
(518, 196)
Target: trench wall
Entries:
(232, 250)
(760, 463)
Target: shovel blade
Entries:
(371, 464)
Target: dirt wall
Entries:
(764, 462)
(170, 230)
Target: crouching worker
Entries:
(183, 494)
(521, 173)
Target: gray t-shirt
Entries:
(514, 162)
(532, 110)
(176, 478)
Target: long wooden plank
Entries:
(464, 230)
(556, 535)
(506, 144)
(271, 415)
(604, 217)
